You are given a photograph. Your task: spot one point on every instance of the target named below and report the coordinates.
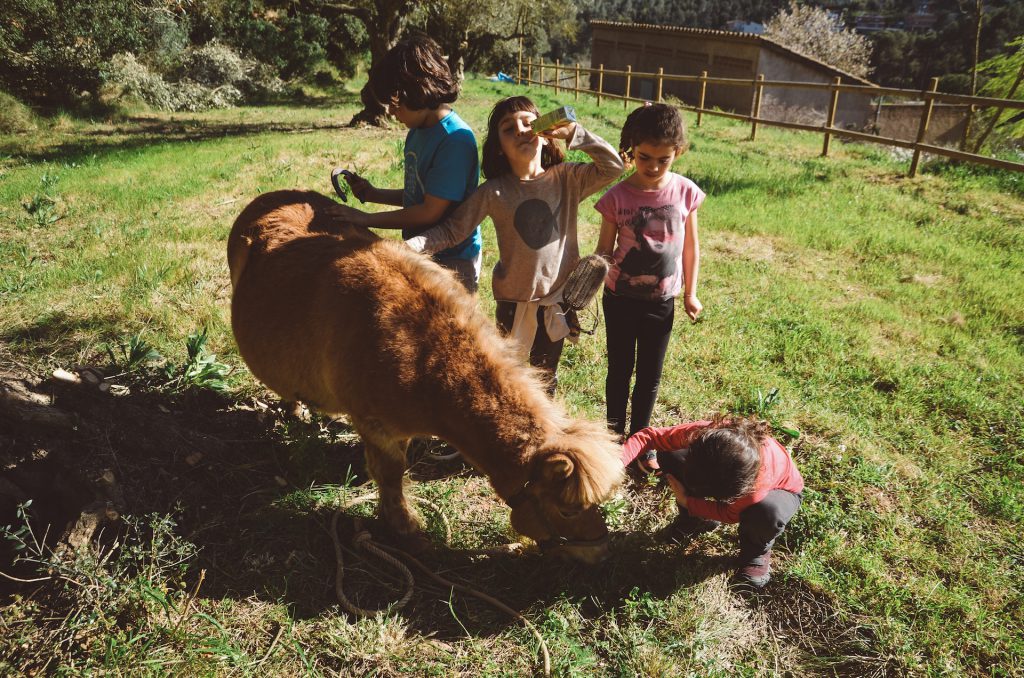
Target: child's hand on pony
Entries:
(346, 214)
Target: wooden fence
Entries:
(565, 73)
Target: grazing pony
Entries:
(351, 323)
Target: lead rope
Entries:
(364, 540)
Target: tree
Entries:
(53, 51)
(818, 33)
(1006, 77)
(470, 31)
(384, 21)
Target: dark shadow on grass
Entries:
(47, 333)
(254, 491)
(142, 133)
(831, 642)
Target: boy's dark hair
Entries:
(722, 461)
(493, 162)
(414, 73)
(653, 124)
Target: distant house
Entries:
(870, 23)
(723, 54)
(920, 21)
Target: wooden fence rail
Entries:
(561, 74)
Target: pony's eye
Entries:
(569, 514)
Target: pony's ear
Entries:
(557, 467)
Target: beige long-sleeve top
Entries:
(534, 220)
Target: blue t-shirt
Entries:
(441, 160)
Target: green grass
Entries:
(889, 313)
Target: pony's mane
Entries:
(593, 448)
(499, 352)
(599, 463)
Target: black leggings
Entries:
(544, 353)
(638, 332)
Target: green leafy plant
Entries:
(615, 511)
(762, 404)
(43, 205)
(201, 369)
(133, 353)
(139, 575)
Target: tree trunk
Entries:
(384, 23)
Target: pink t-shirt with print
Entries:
(651, 227)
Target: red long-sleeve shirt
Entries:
(777, 472)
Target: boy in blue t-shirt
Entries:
(441, 164)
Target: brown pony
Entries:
(350, 323)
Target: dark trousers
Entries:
(760, 523)
(763, 522)
(544, 353)
(638, 332)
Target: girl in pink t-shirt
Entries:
(649, 229)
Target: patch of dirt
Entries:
(752, 248)
(832, 642)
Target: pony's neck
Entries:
(500, 433)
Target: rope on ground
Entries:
(364, 540)
(484, 597)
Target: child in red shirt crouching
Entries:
(728, 470)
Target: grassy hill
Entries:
(888, 313)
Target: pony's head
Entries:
(569, 476)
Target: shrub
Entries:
(212, 76)
(126, 77)
(15, 117)
(214, 65)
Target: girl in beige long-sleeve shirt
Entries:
(533, 197)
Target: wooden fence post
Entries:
(926, 118)
(755, 108)
(577, 88)
(558, 66)
(661, 75)
(540, 72)
(600, 83)
(629, 82)
(529, 71)
(519, 73)
(703, 91)
(831, 119)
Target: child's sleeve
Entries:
(712, 510)
(606, 165)
(657, 439)
(693, 197)
(455, 228)
(605, 206)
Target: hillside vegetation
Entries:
(888, 313)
